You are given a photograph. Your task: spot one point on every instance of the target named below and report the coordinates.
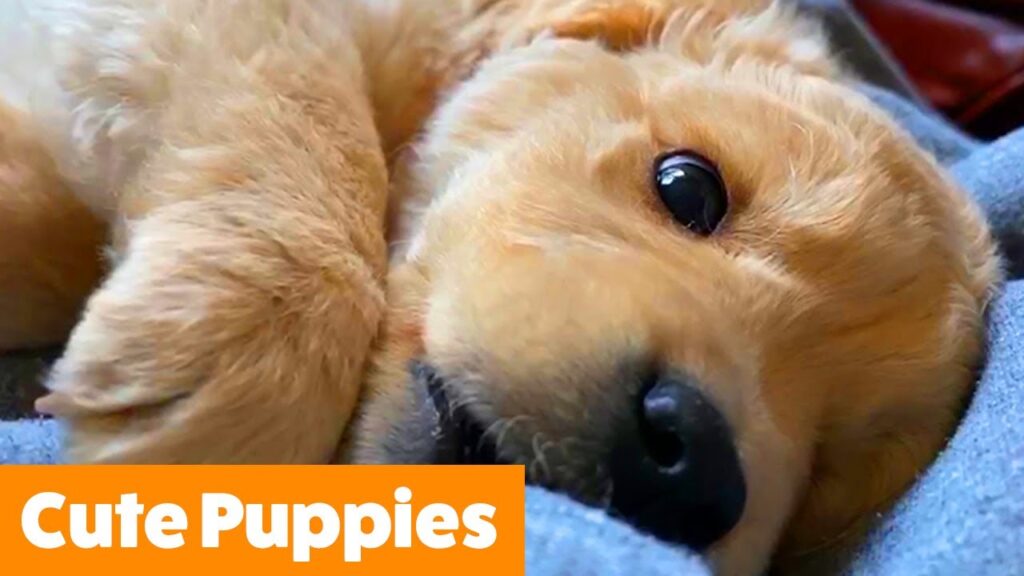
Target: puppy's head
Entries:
(678, 270)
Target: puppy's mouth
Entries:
(459, 436)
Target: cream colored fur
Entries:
(248, 160)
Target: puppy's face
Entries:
(726, 299)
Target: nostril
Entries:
(677, 473)
(665, 448)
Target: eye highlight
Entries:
(691, 188)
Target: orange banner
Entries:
(306, 520)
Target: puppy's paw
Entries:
(214, 349)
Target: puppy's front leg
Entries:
(249, 279)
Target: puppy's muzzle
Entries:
(675, 471)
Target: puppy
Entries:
(657, 250)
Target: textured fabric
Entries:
(996, 178)
(29, 442)
(965, 515)
(563, 537)
(932, 132)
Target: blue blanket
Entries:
(964, 516)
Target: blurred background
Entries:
(964, 58)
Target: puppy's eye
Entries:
(692, 190)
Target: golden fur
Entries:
(50, 254)
(243, 155)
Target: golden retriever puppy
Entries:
(656, 250)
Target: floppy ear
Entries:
(706, 31)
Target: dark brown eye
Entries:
(691, 189)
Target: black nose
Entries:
(676, 474)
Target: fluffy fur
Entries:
(248, 159)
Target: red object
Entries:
(966, 57)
